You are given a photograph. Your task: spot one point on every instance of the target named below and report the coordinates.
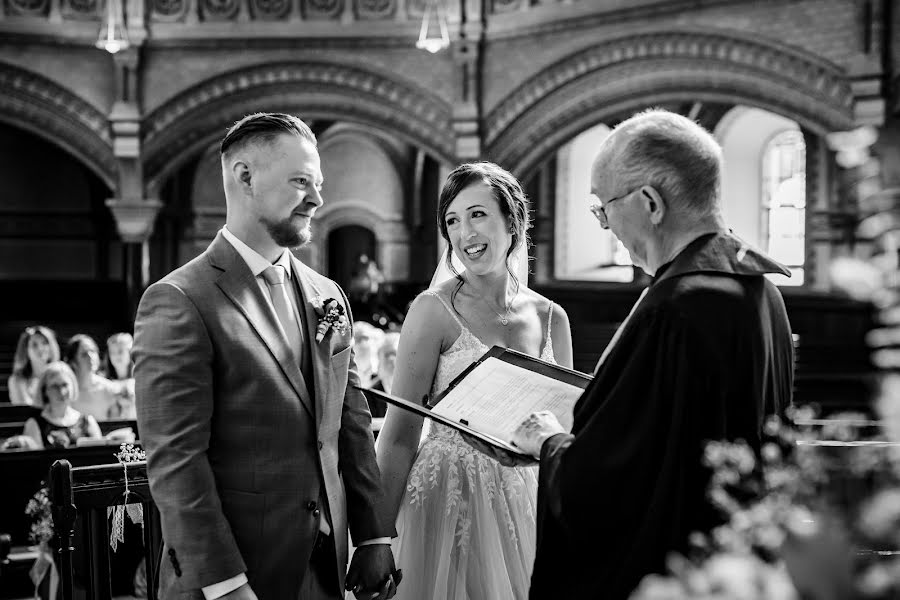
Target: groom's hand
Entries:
(242, 593)
(531, 434)
(371, 574)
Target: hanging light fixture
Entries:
(113, 35)
(434, 10)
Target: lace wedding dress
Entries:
(466, 527)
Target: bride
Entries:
(465, 523)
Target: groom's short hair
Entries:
(264, 128)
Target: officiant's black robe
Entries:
(705, 355)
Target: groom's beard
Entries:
(286, 233)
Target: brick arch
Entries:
(38, 105)
(641, 70)
(314, 90)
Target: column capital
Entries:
(134, 217)
(852, 146)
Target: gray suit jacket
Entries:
(245, 453)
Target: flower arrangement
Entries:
(816, 515)
(38, 509)
(331, 316)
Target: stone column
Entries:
(858, 178)
(467, 103)
(134, 214)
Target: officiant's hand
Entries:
(535, 430)
(372, 574)
(505, 458)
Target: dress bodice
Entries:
(463, 352)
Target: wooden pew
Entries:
(89, 491)
(23, 471)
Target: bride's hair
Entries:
(508, 193)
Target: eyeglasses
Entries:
(599, 209)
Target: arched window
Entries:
(583, 250)
(783, 214)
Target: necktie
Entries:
(275, 278)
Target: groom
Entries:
(260, 452)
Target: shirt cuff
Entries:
(217, 590)
(373, 541)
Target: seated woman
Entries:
(96, 394)
(59, 425)
(36, 349)
(119, 369)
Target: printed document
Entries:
(497, 396)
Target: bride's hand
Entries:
(504, 457)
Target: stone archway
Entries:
(392, 236)
(193, 120)
(32, 102)
(659, 67)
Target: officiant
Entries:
(705, 354)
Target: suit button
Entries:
(316, 513)
(311, 505)
(321, 445)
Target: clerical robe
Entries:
(705, 355)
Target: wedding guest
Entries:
(387, 361)
(705, 354)
(119, 369)
(465, 523)
(59, 425)
(119, 366)
(35, 349)
(96, 394)
(366, 340)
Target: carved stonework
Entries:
(270, 10)
(505, 6)
(375, 9)
(196, 117)
(219, 10)
(29, 8)
(584, 88)
(82, 9)
(168, 10)
(323, 9)
(32, 102)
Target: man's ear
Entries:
(654, 204)
(241, 173)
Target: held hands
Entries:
(534, 431)
(372, 574)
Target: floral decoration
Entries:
(331, 316)
(816, 515)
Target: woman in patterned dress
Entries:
(465, 523)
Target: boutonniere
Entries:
(331, 316)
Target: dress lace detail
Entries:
(466, 528)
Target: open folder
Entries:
(493, 395)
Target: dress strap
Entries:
(549, 319)
(548, 340)
(448, 307)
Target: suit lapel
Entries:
(319, 352)
(239, 285)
